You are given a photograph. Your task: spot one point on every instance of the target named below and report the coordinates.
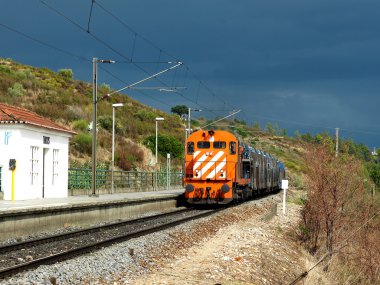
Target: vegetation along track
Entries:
(29, 254)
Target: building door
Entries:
(44, 171)
(1, 190)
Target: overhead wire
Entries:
(44, 43)
(130, 60)
(78, 57)
(138, 90)
(89, 18)
(113, 49)
(144, 38)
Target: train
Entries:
(221, 169)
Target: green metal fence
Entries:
(124, 181)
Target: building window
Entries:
(55, 166)
(34, 165)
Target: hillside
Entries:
(57, 96)
(335, 194)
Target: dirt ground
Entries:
(253, 243)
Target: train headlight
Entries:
(196, 173)
(189, 188)
(225, 188)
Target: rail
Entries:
(49, 250)
(124, 181)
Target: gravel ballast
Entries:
(161, 258)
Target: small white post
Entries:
(168, 172)
(284, 186)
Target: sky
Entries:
(305, 65)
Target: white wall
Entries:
(17, 145)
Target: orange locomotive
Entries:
(220, 169)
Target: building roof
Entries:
(16, 115)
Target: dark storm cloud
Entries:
(301, 63)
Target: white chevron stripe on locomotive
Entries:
(212, 162)
(199, 161)
(217, 169)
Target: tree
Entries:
(270, 129)
(335, 188)
(16, 90)
(166, 144)
(256, 126)
(374, 172)
(180, 109)
(66, 73)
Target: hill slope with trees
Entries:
(340, 195)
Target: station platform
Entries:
(25, 217)
(84, 200)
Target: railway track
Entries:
(26, 255)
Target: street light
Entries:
(114, 106)
(94, 115)
(157, 119)
(95, 101)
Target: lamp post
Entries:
(94, 115)
(95, 101)
(157, 119)
(114, 106)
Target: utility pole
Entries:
(95, 102)
(336, 141)
(94, 115)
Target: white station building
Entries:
(34, 155)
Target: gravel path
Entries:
(248, 243)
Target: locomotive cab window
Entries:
(203, 144)
(232, 147)
(219, 144)
(190, 147)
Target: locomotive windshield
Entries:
(219, 144)
(203, 144)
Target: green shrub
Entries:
(25, 74)
(66, 73)
(5, 69)
(83, 143)
(80, 125)
(166, 144)
(16, 90)
(105, 122)
(145, 115)
(105, 88)
(127, 155)
(75, 113)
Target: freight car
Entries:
(220, 169)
